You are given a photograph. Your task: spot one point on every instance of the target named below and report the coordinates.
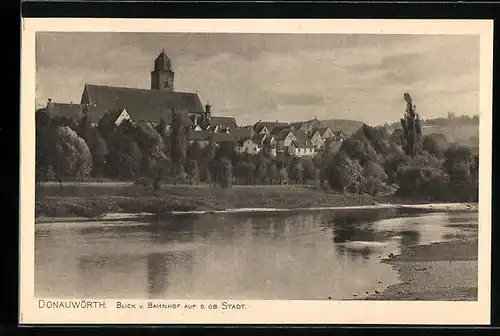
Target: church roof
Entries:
(141, 104)
(163, 55)
(70, 111)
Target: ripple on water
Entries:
(301, 256)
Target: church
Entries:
(142, 105)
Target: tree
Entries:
(463, 168)
(397, 137)
(412, 132)
(84, 128)
(416, 179)
(283, 176)
(457, 153)
(107, 126)
(194, 151)
(161, 128)
(296, 171)
(99, 150)
(435, 144)
(177, 138)
(192, 170)
(392, 163)
(225, 150)
(160, 170)
(64, 121)
(378, 137)
(44, 146)
(207, 156)
(343, 173)
(272, 170)
(309, 169)
(373, 169)
(262, 172)
(125, 157)
(350, 174)
(148, 139)
(225, 172)
(357, 147)
(72, 156)
(150, 142)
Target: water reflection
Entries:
(157, 274)
(301, 256)
(409, 238)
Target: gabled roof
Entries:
(340, 134)
(70, 111)
(280, 130)
(270, 125)
(281, 134)
(323, 130)
(302, 140)
(229, 122)
(243, 133)
(300, 144)
(297, 125)
(268, 139)
(141, 104)
(259, 138)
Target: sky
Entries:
(288, 77)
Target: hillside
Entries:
(460, 131)
(344, 125)
(463, 134)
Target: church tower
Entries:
(162, 77)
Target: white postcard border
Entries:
(338, 312)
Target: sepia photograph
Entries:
(233, 167)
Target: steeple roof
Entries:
(163, 62)
(163, 56)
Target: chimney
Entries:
(208, 108)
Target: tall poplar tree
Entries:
(412, 131)
(177, 138)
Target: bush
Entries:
(415, 179)
(344, 174)
(435, 144)
(373, 185)
(72, 155)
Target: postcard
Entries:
(255, 171)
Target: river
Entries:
(307, 256)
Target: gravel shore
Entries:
(445, 271)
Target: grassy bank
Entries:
(93, 199)
(445, 271)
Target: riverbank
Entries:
(446, 271)
(98, 201)
(95, 201)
